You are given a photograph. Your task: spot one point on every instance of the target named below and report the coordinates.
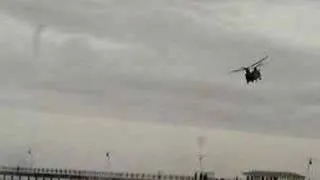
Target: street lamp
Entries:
(31, 156)
(108, 155)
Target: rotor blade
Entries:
(238, 70)
(259, 63)
(264, 63)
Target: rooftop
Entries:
(274, 173)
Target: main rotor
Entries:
(257, 64)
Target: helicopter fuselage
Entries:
(252, 76)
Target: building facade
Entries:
(272, 175)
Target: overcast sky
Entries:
(144, 77)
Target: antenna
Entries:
(201, 142)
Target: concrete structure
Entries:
(272, 175)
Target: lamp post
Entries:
(311, 161)
(308, 169)
(108, 155)
(31, 157)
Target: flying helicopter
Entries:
(252, 75)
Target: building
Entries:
(204, 175)
(272, 175)
(211, 174)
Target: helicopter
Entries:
(252, 75)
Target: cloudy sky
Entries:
(145, 78)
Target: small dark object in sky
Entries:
(252, 75)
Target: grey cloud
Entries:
(175, 71)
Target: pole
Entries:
(108, 160)
(200, 162)
(200, 141)
(31, 157)
(308, 169)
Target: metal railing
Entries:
(85, 173)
